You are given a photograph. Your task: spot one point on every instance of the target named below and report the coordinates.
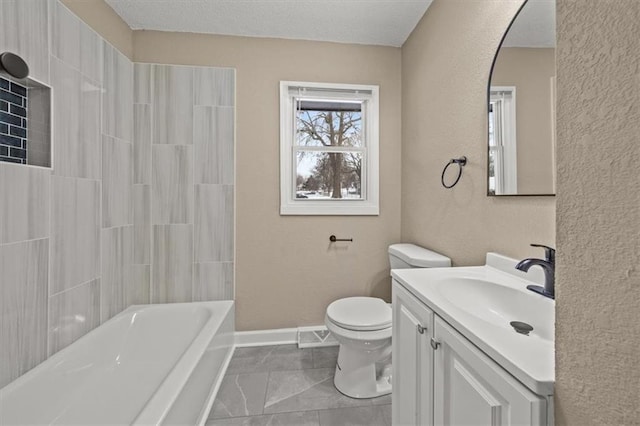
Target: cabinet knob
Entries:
(421, 329)
(434, 344)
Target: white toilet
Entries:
(362, 326)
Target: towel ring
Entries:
(461, 162)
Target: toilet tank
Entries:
(403, 256)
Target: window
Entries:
(502, 141)
(328, 149)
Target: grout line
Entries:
(49, 207)
(266, 390)
(76, 287)
(194, 205)
(149, 85)
(4, 245)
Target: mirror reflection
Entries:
(522, 105)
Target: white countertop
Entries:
(530, 359)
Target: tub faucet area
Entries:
(548, 266)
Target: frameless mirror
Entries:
(522, 105)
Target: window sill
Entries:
(329, 208)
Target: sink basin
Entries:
(499, 304)
(481, 302)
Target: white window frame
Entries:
(506, 161)
(369, 204)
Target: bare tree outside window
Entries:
(332, 166)
(329, 156)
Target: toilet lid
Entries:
(360, 313)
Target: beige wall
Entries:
(444, 115)
(286, 271)
(598, 218)
(103, 20)
(530, 71)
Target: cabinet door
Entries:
(412, 394)
(471, 389)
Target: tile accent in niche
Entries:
(25, 122)
(13, 122)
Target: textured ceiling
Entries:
(535, 25)
(378, 22)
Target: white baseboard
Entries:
(281, 336)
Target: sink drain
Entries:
(521, 327)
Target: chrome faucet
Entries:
(549, 267)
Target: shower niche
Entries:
(25, 120)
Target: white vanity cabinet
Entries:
(441, 378)
(412, 394)
(471, 389)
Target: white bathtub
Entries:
(149, 365)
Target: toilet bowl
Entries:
(363, 327)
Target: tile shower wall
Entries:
(129, 214)
(66, 234)
(184, 181)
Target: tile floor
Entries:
(287, 386)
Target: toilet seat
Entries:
(360, 314)
(356, 335)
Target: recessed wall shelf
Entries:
(25, 121)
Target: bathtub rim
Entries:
(210, 326)
(159, 405)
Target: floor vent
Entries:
(315, 337)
